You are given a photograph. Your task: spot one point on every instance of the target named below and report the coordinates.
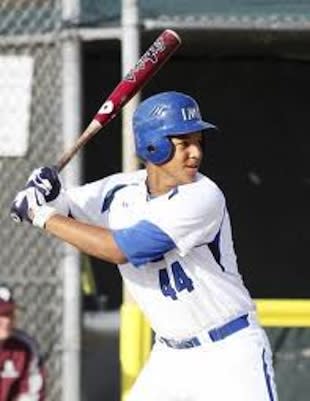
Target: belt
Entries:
(216, 334)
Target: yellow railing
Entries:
(284, 312)
(135, 344)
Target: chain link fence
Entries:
(30, 262)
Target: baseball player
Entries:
(168, 229)
(22, 374)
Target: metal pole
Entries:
(71, 117)
(130, 50)
(135, 333)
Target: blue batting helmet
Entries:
(160, 117)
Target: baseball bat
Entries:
(147, 66)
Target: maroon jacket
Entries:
(22, 375)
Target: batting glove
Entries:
(47, 181)
(30, 205)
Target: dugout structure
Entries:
(259, 101)
(248, 65)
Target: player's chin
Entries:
(190, 175)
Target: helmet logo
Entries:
(190, 113)
(158, 110)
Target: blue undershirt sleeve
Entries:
(142, 243)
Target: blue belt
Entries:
(216, 334)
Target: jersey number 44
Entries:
(180, 281)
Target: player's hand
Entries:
(46, 180)
(30, 205)
(25, 204)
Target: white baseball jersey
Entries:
(182, 268)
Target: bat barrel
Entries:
(150, 62)
(147, 66)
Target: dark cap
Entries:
(7, 303)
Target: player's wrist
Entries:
(42, 214)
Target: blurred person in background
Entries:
(22, 374)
